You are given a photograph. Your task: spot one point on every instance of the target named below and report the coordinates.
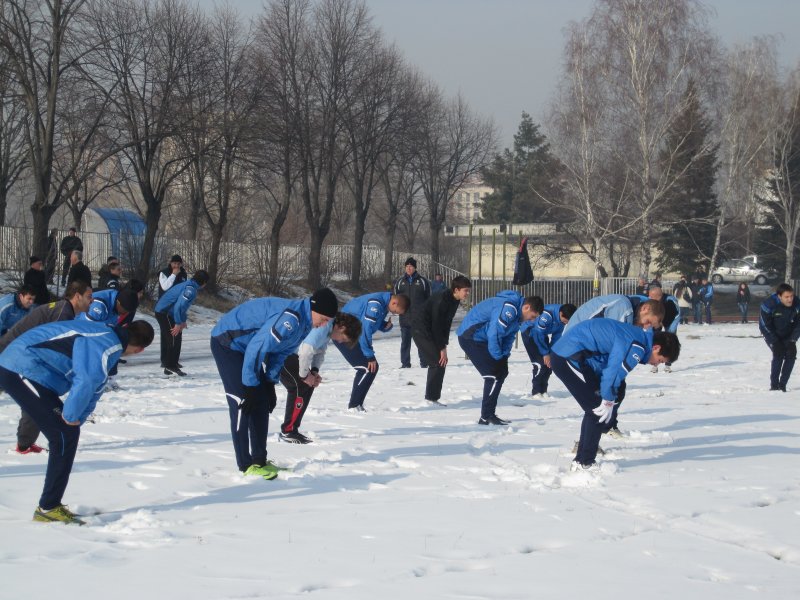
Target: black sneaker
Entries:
(174, 370)
(493, 420)
(294, 437)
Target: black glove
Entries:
(251, 399)
(272, 399)
(778, 348)
(501, 368)
(791, 349)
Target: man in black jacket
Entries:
(36, 278)
(431, 331)
(77, 299)
(79, 271)
(68, 245)
(418, 290)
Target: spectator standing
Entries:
(683, 292)
(438, 284)
(69, 244)
(52, 255)
(109, 276)
(780, 326)
(79, 271)
(173, 274)
(418, 290)
(36, 279)
(743, 300)
(171, 313)
(697, 301)
(707, 298)
(641, 286)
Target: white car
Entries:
(738, 270)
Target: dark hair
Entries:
(567, 310)
(76, 287)
(111, 259)
(403, 301)
(670, 345)
(135, 285)
(201, 277)
(140, 333)
(536, 303)
(352, 327)
(783, 288)
(460, 282)
(656, 308)
(26, 290)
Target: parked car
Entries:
(738, 270)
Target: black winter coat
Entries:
(433, 321)
(79, 272)
(38, 281)
(418, 291)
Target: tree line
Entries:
(659, 137)
(299, 123)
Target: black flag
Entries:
(523, 274)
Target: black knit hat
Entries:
(35, 259)
(411, 261)
(176, 258)
(128, 299)
(325, 303)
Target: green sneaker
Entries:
(272, 465)
(265, 472)
(60, 513)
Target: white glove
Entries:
(604, 411)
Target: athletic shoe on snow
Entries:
(60, 514)
(580, 467)
(493, 420)
(174, 370)
(435, 403)
(600, 450)
(294, 437)
(359, 408)
(32, 449)
(261, 471)
(615, 433)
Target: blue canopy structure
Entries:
(123, 225)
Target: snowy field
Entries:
(700, 500)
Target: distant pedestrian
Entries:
(743, 300)
(707, 298)
(697, 300)
(69, 244)
(79, 271)
(36, 278)
(171, 313)
(683, 292)
(780, 326)
(438, 284)
(641, 286)
(108, 277)
(172, 275)
(431, 331)
(418, 290)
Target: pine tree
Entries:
(523, 179)
(690, 209)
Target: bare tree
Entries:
(150, 43)
(13, 158)
(454, 145)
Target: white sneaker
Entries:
(538, 397)
(654, 369)
(545, 396)
(615, 433)
(668, 369)
(581, 468)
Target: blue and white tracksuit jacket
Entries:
(618, 307)
(10, 312)
(494, 321)
(371, 309)
(546, 329)
(177, 300)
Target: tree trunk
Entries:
(213, 260)
(42, 213)
(388, 258)
(717, 241)
(358, 247)
(3, 204)
(315, 259)
(152, 218)
(273, 277)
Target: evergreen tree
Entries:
(689, 213)
(524, 179)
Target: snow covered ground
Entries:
(701, 500)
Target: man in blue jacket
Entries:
(371, 310)
(592, 361)
(706, 293)
(538, 336)
(249, 345)
(634, 310)
(15, 306)
(67, 357)
(487, 335)
(112, 307)
(672, 315)
(780, 325)
(172, 310)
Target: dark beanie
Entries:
(128, 299)
(35, 259)
(176, 258)
(411, 261)
(325, 303)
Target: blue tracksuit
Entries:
(66, 357)
(11, 312)
(538, 336)
(780, 327)
(706, 293)
(103, 308)
(177, 300)
(618, 307)
(371, 309)
(592, 361)
(249, 345)
(487, 335)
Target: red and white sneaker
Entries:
(32, 449)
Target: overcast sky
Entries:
(505, 55)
